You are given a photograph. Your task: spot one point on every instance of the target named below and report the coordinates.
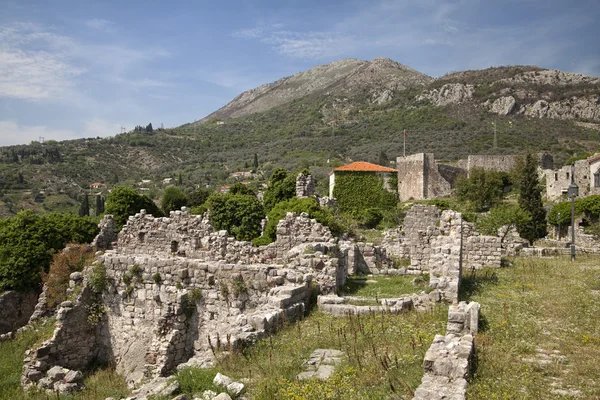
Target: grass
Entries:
(384, 356)
(99, 384)
(540, 330)
(384, 286)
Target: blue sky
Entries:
(71, 69)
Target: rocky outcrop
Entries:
(573, 108)
(551, 77)
(450, 93)
(502, 106)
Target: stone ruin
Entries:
(176, 291)
(305, 186)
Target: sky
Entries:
(73, 69)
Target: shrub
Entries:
(125, 201)
(27, 242)
(309, 206)
(370, 218)
(281, 187)
(72, 259)
(173, 199)
(157, 278)
(97, 279)
(239, 214)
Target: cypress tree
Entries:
(255, 161)
(99, 205)
(84, 209)
(530, 200)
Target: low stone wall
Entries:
(480, 251)
(447, 363)
(16, 309)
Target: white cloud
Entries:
(37, 64)
(101, 24)
(12, 133)
(30, 73)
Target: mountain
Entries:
(346, 77)
(344, 111)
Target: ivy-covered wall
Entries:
(358, 191)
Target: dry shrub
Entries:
(72, 259)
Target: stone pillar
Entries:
(305, 186)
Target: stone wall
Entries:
(480, 251)
(448, 360)
(74, 343)
(305, 186)
(491, 163)
(15, 309)
(177, 292)
(107, 234)
(558, 180)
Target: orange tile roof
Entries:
(594, 158)
(364, 167)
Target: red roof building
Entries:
(360, 166)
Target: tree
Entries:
(173, 199)
(27, 242)
(281, 187)
(180, 180)
(198, 197)
(84, 209)
(149, 128)
(125, 201)
(238, 214)
(506, 216)
(530, 200)
(239, 188)
(482, 189)
(255, 161)
(99, 205)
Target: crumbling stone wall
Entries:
(491, 162)
(74, 344)
(177, 292)
(448, 360)
(15, 309)
(480, 251)
(107, 234)
(305, 186)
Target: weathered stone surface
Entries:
(503, 105)
(321, 364)
(450, 93)
(222, 396)
(15, 309)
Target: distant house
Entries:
(98, 185)
(361, 166)
(223, 189)
(242, 175)
(167, 181)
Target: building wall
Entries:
(491, 163)
(558, 180)
(419, 178)
(594, 168)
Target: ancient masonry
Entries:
(421, 177)
(15, 309)
(305, 186)
(176, 291)
(448, 361)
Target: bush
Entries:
(27, 242)
(97, 279)
(309, 206)
(370, 218)
(482, 189)
(239, 214)
(125, 201)
(281, 187)
(173, 199)
(72, 259)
